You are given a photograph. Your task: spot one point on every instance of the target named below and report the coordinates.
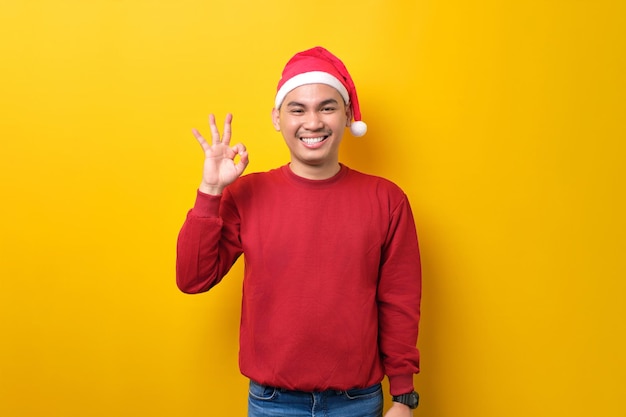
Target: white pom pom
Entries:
(358, 129)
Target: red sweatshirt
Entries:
(332, 281)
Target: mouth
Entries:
(312, 141)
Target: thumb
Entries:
(241, 151)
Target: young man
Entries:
(332, 282)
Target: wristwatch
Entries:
(411, 399)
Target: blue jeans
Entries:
(266, 401)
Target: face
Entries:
(312, 120)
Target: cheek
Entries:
(288, 123)
(340, 122)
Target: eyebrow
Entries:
(323, 103)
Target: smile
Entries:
(313, 141)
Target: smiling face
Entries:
(312, 119)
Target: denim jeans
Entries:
(266, 401)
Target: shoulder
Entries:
(373, 182)
(254, 182)
(388, 195)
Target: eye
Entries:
(296, 111)
(328, 109)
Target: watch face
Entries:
(414, 400)
(411, 400)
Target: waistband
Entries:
(350, 392)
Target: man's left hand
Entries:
(399, 410)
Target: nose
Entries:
(313, 121)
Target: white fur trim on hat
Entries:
(313, 77)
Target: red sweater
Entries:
(332, 282)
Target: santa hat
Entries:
(319, 66)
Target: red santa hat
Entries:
(319, 66)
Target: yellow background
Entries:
(503, 122)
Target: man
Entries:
(332, 279)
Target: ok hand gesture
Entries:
(220, 168)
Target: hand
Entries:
(220, 168)
(399, 410)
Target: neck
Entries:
(315, 172)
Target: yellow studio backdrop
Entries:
(502, 121)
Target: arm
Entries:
(399, 295)
(207, 246)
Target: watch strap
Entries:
(411, 399)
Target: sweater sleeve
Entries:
(208, 245)
(399, 294)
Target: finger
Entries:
(200, 139)
(240, 150)
(227, 129)
(215, 133)
(242, 164)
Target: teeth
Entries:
(310, 141)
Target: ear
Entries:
(349, 115)
(276, 119)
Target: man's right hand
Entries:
(220, 168)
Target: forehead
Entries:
(312, 94)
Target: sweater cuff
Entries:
(401, 384)
(206, 205)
